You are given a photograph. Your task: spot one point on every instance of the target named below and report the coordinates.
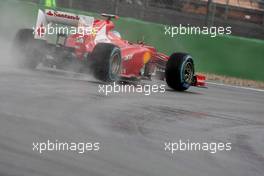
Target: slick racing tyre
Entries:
(26, 49)
(106, 62)
(179, 72)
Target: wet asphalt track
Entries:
(132, 128)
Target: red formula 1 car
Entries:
(88, 44)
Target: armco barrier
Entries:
(225, 55)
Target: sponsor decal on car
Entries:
(62, 15)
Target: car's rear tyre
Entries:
(27, 49)
(179, 71)
(106, 62)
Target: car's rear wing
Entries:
(47, 17)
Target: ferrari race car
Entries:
(95, 47)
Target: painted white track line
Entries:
(238, 87)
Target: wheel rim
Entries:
(115, 65)
(188, 73)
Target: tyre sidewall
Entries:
(175, 71)
(112, 76)
(187, 59)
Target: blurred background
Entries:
(240, 55)
(246, 17)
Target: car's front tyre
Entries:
(179, 72)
